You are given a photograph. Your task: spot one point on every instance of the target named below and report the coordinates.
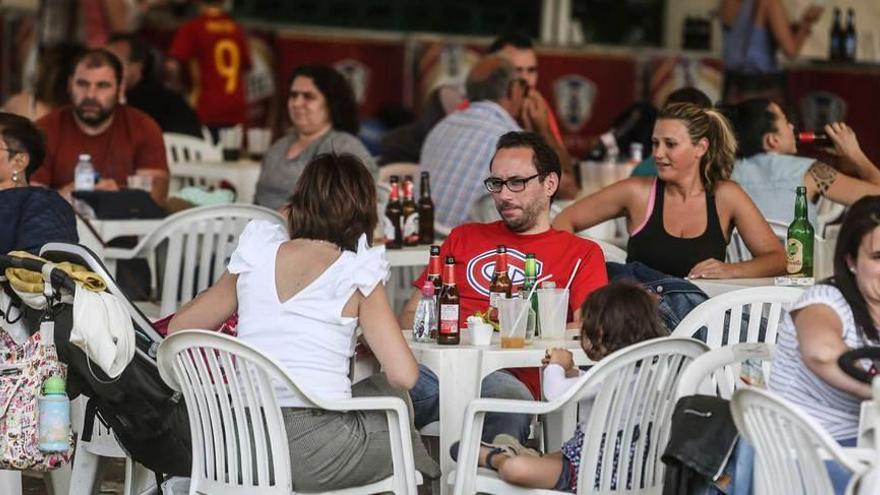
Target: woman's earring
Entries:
(852, 269)
(18, 179)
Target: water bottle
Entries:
(54, 426)
(425, 323)
(84, 174)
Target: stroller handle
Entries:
(59, 278)
(848, 359)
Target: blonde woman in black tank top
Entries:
(697, 209)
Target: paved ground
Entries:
(112, 483)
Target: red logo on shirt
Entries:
(481, 267)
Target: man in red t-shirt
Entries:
(121, 140)
(536, 113)
(523, 178)
(219, 49)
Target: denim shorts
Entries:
(567, 478)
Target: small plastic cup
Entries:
(142, 182)
(481, 334)
(230, 142)
(552, 310)
(258, 140)
(513, 320)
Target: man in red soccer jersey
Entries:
(218, 48)
(523, 178)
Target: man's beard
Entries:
(93, 119)
(525, 221)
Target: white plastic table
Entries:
(243, 175)
(715, 287)
(460, 370)
(408, 256)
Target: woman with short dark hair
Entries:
(29, 216)
(300, 295)
(323, 110)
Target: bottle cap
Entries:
(85, 157)
(428, 288)
(54, 385)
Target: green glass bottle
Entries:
(799, 245)
(531, 277)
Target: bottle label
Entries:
(794, 254)
(494, 297)
(449, 319)
(411, 228)
(388, 229)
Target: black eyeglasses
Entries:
(516, 184)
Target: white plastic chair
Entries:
(87, 461)
(610, 251)
(790, 447)
(717, 372)
(642, 377)
(181, 148)
(199, 240)
(758, 304)
(225, 383)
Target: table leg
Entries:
(457, 370)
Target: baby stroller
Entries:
(148, 419)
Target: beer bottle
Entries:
(531, 278)
(410, 214)
(393, 212)
(799, 246)
(500, 286)
(426, 211)
(434, 267)
(849, 36)
(449, 307)
(814, 138)
(835, 49)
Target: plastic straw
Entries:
(573, 272)
(522, 312)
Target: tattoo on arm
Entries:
(823, 175)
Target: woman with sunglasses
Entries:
(680, 222)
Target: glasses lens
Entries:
(516, 185)
(493, 185)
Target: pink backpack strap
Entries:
(649, 211)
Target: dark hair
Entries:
(544, 158)
(22, 136)
(863, 217)
(689, 94)
(53, 73)
(717, 163)
(100, 57)
(515, 40)
(334, 200)
(751, 120)
(617, 315)
(338, 94)
(492, 85)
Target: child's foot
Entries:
(486, 456)
(505, 440)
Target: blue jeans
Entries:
(744, 458)
(499, 384)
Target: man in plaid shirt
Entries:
(458, 150)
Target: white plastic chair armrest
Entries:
(367, 404)
(862, 455)
(511, 406)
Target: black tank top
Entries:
(654, 247)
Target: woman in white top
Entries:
(300, 296)
(830, 318)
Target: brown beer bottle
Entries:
(449, 307)
(410, 214)
(500, 286)
(393, 213)
(426, 211)
(434, 267)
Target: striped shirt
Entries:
(457, 153)
(837, 411)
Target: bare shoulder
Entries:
(728, 190)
